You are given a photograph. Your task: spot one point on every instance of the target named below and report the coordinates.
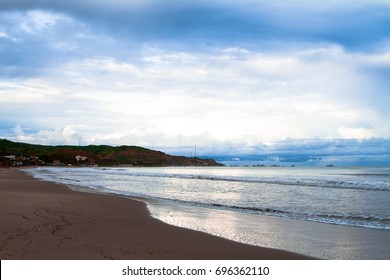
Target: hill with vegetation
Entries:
(21, 154)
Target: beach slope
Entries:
(44, 220)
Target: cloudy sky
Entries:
(237, 76)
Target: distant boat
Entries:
(330, 165)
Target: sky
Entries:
(235, 78)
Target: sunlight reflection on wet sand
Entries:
(315, 239)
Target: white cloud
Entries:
(6, 36)
(356, 133)
(259, 97)
(66, 135)
(21, 135)
(227, 76)
(40, 20)
(152, 93)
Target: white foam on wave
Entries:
(219, 189)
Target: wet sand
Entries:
(44, 220)
(320, 240)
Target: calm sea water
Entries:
(356, 197)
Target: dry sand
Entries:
(44, 220)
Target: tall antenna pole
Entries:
(195, 150)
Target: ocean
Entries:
(226, 201)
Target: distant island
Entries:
(23, 154)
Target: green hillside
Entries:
(17, 154)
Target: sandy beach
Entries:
(44, 220)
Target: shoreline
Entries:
(45, 220)
(319, 240)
